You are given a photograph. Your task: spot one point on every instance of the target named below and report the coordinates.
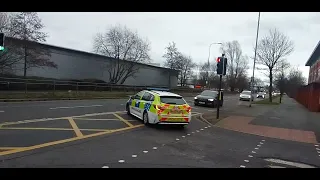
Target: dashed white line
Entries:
(246, 160)
(1, 111)
(206, 127)
(183, 136)
(105, 166)
(256, 148)
(134, 156)
(250, 156)
(177, 139)
(242, 166)
(261, 142)
(201, 129)
(154, 148)
(188, 134)
(121, 161)
(259, 145)
(197, 131)
(318, 149)
(316, 145)
(70, 107)
(145, 151)
(253, 152)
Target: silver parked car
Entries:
(245, 96)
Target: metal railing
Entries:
(9, 84)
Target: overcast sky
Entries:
(192, 31)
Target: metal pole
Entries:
(254, 60)
(209, 63)
(219, 92)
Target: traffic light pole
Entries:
(219, 93)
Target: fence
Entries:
(32, 85)
(309, 96)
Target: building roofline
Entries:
(84, 52)
(314, 55)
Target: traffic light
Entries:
(221, 65)
(1, 41)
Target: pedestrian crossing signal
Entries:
(221, 65)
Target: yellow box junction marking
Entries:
(75, 127)
(123, 120)
(66, 140)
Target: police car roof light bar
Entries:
(158, 89)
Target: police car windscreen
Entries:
(172, 100)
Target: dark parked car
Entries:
(208, 98)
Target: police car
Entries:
(159, 107)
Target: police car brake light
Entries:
(189, 109)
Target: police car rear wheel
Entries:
(128, 110)
(145, 118)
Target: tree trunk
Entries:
(25, 63)
(280, 98)
(270, 87)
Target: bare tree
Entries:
(271, 49)
(27, 27)
(11, 57)
(172, 56)
(185, 66)
(281, 77)
(237, 62)
(126, 47)
(295, 80)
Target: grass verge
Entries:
(275, 101)
(65, 95)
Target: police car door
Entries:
(146, 101)
(135, 106)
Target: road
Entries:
(99, 134)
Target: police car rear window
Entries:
(172, 100)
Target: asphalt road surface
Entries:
(99, 134)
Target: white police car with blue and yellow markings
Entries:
(159, 107)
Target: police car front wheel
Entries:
(145, 118)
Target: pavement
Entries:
(99, 134)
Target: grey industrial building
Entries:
(74, 64)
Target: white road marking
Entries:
(250, 156)
(177, 139)
(197, 130)
(263, 140)
(145, 151)
(242, 166)
(209, 126)
(276, 166)
(121, 104)
(295, 164)
(316, 145)
(318, 149)
(256, 148)
(206, 127)
(105, 166)
(183, 136)
(259, 145)
(154, 148)
(201, 129)
(1, 111)
(253, 152)
(188, 134)
(121, 161)
(246, 160)
(70, 107)
(134, 156)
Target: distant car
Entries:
(208, 98)
(159, 107)
(245, 96)
(261, 95)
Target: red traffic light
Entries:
(218, 59)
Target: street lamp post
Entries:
(254, 60)
(209, 62)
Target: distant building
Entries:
(75, 64)
(314, 64)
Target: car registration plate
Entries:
(175, 119)
(201, 102)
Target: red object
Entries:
(218, 59)
(309, 96)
